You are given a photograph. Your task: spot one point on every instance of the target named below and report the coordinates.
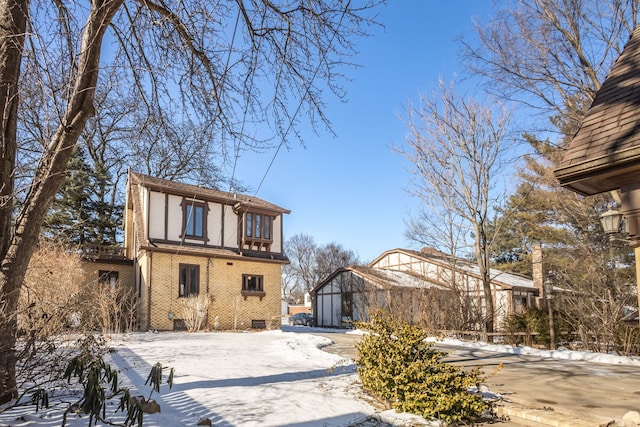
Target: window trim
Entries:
(190, 203)
(258, 291)
(188, 285)
(257, 230)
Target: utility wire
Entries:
(292, 120)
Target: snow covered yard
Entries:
(271, 378)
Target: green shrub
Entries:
(533, 321)
(396, 363)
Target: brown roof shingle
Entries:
(604, 154)
(209, 194)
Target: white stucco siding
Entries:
(214, 224)
(430, 271)
(230, 227)
(329, 304)
(156, 215)
(336, 314)
(174, 218)
(276, 234)
(327, 307)
(144, 195)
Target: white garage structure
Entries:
(419, 285)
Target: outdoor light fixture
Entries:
(611, 221)
(170, 315)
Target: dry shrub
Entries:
(194, 311)
(49, 300)
(109, 307)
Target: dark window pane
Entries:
(194, 220)
(183, 280)
(251, 283)
(267, 227)
(189, 280)
(199, 213)
(194, 280)
(249, 227)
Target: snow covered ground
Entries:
(271, 378)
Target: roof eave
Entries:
(601, 174)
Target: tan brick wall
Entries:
(232, 309)
(91, 272)
(222, 280)
(143, 265)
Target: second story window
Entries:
(257, 226)
(194, 219)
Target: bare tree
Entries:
(438, 227)
(456, 148)
(299, 276)
(553, 60)
(310, 263)
(331, 257)
(224, 65)
(555, 54)
(195, 311)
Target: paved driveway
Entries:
(590, 390)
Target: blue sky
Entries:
(351, 189)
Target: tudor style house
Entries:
(185, 241)
(425, 287)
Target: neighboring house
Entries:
(418, 286)
(351, 293)
(188, 241)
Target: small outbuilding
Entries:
(351, 293)
(428, 288)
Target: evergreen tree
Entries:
(106, 211)
(69, 217)
(82, 212)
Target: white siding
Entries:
(230, 227)
(214, 224)
(336, 302)
(144, 195)
(502, 307)
(156, 215)
(276, 235)
(174, 220)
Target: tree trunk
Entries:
(482, 257)
(13, 24)
(18, 246)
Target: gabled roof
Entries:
(498, 277)
(241, 201)
(171, 187)
(384, 279)
(604, 154)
